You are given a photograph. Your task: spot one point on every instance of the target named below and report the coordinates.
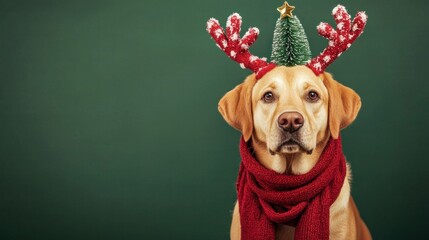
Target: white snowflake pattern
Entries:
(224, 44)
(234, 37)
(218, 32)
(326, 58)
(233, 54)
(253, 58)
(317, 66)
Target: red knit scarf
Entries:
(266, 197)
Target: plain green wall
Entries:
(109, 126)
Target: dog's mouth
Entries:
(291, 145)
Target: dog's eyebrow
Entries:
(307, 85)
(272, 86)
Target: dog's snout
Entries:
(290, 121)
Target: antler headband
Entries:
(340, 39)
(238, 49)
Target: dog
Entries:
(294, 103)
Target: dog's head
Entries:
(290, 109)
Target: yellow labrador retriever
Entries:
(313, 108)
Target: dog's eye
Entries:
(268, 97)
(313, 96)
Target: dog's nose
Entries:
(290, 121)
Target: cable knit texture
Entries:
(266, 197)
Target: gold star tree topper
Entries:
(286, 10)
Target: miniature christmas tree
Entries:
(290, 44)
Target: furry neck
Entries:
(291, 164)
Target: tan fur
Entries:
(338, 106)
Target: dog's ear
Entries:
(236, 107)
(344, 105)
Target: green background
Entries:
(109, 126)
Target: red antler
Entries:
(339, 39)
(238, 49)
